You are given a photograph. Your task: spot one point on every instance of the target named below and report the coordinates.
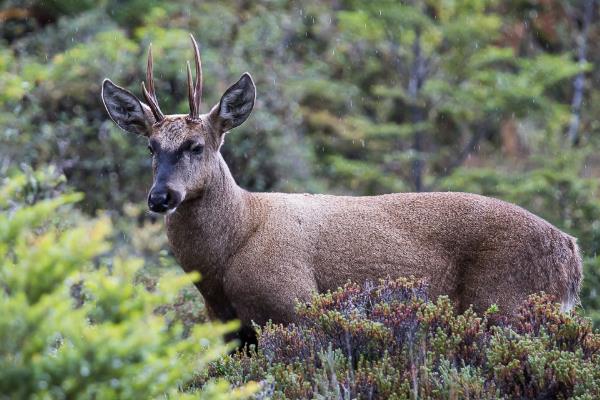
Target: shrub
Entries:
(388, 341)
(74, 323)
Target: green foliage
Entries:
(75, 323)
(431, 73)
(387, 341)
(349, 108)
(337, 111)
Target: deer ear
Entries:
(126, 110)
(235, 105)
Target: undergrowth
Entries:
(388, 341)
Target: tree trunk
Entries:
(579, 83)
(415, 83)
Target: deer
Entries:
(260, 253)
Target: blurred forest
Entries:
(492, 97)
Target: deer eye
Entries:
(151, 150)
(197, 148)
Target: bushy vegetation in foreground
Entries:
(74, 322)
(388, 341)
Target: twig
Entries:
(469, 148)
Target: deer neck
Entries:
(205, 231)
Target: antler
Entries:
(150, 94)
(195, 92)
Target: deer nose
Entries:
(158, 200)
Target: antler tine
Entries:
(197, 92)
(191, 92)
(150, 94)
(149, 71)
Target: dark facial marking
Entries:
(191, 145)
(153, 146)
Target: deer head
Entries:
(184, 148)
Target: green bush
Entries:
(74, 322)
(388, 341)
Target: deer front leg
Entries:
(219, 308)
(270, 294)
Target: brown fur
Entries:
(260, 252)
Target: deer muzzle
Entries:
(163, 199)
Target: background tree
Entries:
(493, 97)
